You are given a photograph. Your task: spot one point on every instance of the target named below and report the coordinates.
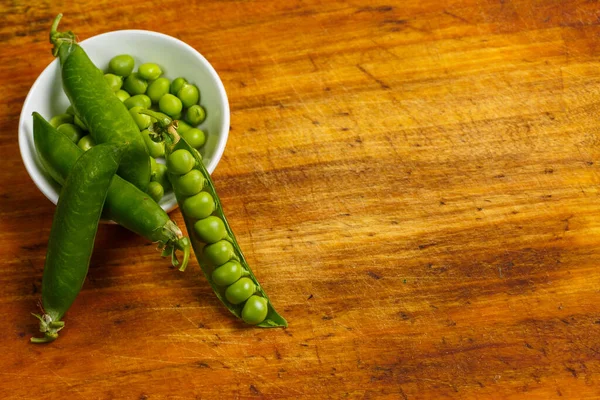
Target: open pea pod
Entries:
(217, 251)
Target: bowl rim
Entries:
(28, 158)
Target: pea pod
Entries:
(214, 243)
(72, 234)
(125, 204)
(97, 106)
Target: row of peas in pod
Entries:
(145, 88)
(201, 209)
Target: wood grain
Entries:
(415, 184)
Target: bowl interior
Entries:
(175, 57)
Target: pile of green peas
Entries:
(209, 228)
(145, 88)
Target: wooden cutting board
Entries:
(415, 184)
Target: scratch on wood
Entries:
(367, 73)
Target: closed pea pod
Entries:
(72, 235)
(95, 103)
(213, 255)
(125, 204)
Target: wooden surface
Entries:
(415, 184)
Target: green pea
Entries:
(177, 84)
(177, 116)
(159, 174)
(240, 291)
(115, 82)
(218, 253)
(156, 191)
(195, 115)
(170, 105)
(195, 137)
(77, 121)
(199, 206)
(158, 89)
(153, 165)
(122, 95)
(60, 119)
(86, 143)
(143, 121)
(182, 126)
(189, 95)
(135, 84)
(255, 310)
(190, 183)
(121, 65)
(227, 273)
(139, 100)
(72, 131)
(180, 162)
(155, 149)
(70, 110)
(210, 229)
(149, 71)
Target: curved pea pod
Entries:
(125, 204)
(224, 250)
(73, 233)
(97, 106)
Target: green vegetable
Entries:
(180, 162)
(227, 273)
(217, 253)
(72, 131)
(122, 95)
(135, 84)
(149, 71)
(142, 121)
(122, 65)
(158, 89)
(60, 119)
(255, 310)
(240, 291)
(139, 100)
(199, 206)
(115, 82)
(86, 143)
(215, 243)
(210, 229)
(73, 232)
(160, 175)
(183, 126)
(125, 204)
(190, 183)
(177, 84)
(170, 105)
(195, 115)
(156, 191)
(195, 137)
(189, 95)
(155, 149)
(98, 107)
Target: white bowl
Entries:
(175, 57)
